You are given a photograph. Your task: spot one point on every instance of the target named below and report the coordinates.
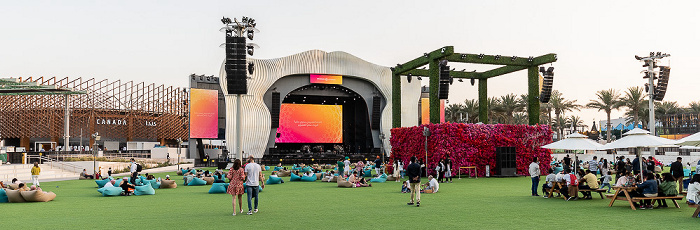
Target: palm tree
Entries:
(559, 124)
(694, 107)
(471, 108)
(508, 105)
(667, 108)
(495, 116)
(560, 106)
(607, 101)
(520, 118)
(634, 101)
(575, 121)
(453, 112)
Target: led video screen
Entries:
(204, 113)
(310, 123)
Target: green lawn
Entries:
(484, 203)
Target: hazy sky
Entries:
(165, 41)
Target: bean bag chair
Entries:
(179, 173)
(14, 196)
(686, 172)
(391, 178)
(324, 179)
(196, 182)
(155, 184)
(3, 196)
(267, 168)
(168, 184)
(273, 180)
(144, 190)
(101, 183)
(143, 178)
(335, 179)
(113, 191)
(218, 188)
(308, 178)
(320, 175)
(13, 186)
(344, 184)
(378, 180)
(283, 173)
(294, 177)
(277, 168)
(209, 180)
(36, 196)
(183, 171)
(368, 173)
(193, 171)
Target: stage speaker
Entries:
(235, 67)
(662, 84)
(376, 114)
(444, 85)
(547, 83)
(275, 110)
(505, 161)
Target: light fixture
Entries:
(250, 50)
(250, 33)
(420, 78)
(464, 56)
(529, 59)
(225, 20)
(251, 68)
(244, 19)
(481, 56)
(463, 70)
(498, 57)
(513, 58)
(425, 55)
(473, 81)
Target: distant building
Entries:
(617, 124)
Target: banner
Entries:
(310, 123)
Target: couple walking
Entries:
(252, 175)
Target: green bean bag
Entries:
(101, 183)
(197, 181)
(218, 188)
(308, 178)
(294, 177)
(144, 190)
(274, 180)
(112, 191)
(3, 196)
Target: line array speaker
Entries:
(376, 106)
(444, 89)
(662, 84)
(275, 110)
(235, 67)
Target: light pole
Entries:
(381, 150)
(236, 29)
(650, 63)
(96, 136)
(426, 134)
(179, 146)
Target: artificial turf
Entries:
(484, 203)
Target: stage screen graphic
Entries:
(204, 113)
(310, 123)
(425, 111)
(326, 79)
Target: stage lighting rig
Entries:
(656, 91)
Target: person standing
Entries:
(413, 172)
(621, 168)
(593, 165)
(346, 168)
(253, 177)
(677, 172)
(35, 174)
(235, 187)
(440, 171)
(535, 175)
(134, 173)
(567, 162)
(397, 171)
(378, 165)
(448, 169)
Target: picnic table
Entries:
(468, 168)
(631, 200)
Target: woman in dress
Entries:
(235, 187)
(397, 171)
(448, 169)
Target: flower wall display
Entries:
(473, 145)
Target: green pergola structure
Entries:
(507, 65)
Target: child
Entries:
(109, 172)
(606, 181)
(405, 188)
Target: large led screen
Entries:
(204, 113)
(326, 79)
(309, 123)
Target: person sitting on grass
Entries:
(591, 182)
(128, 188)
(647, 189)
(549, 182)
(329, 175)
(405, 188)
(309, 174)
(667, 188)
(188, 178)
(606, 181)
(84, 174)
(22, 187)
(358, 181)
(110, 184)
(432, 186)
(693, 196)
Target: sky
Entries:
(164, 41)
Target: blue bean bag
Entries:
(294, 177)
(273, 180)
(686, 172)
(112, 191)
(144, 190)
(309, 178)
(3, 196)
(378, 180)
(101, 183)
(245, 188)
(143, 178)
(184, 171)
(155, 184)
(368, 173)
(218, 188)
(197, 181)
(278, 168)
(267, 168)
(193, 171)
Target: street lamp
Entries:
(179, 146)
(95, 136)
(381, 150)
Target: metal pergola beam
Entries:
(501, 60)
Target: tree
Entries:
(634, 102)
(560, 106)
(453, 112)
(667, 108)
(495, 116)
(471, 107)
(559, 124)
(509, 104)
(608, 100)
(694, 107)
(575, 121)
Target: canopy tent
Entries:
(574, 141)
(638, 138)
(692, 140)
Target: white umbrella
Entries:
(574, 141)
(692, 140)
(637, 138)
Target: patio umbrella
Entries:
(638, 138)
(574, 141)
(692, 140)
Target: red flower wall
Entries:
(473, 145)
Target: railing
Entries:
(63, 165)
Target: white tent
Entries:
(692, 140)
(574, 141)
(638, 138)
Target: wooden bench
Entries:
(599, 191)
(629, 199)
(551, 191)
(672, 198)
(697, 209)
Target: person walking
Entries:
(677, 172)
(397, 171)
(253, 177)
(235, 187)
(35, 174)
(346, 169)
(535, 175)
(413, 172)
(378, 165)
(134, 173)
